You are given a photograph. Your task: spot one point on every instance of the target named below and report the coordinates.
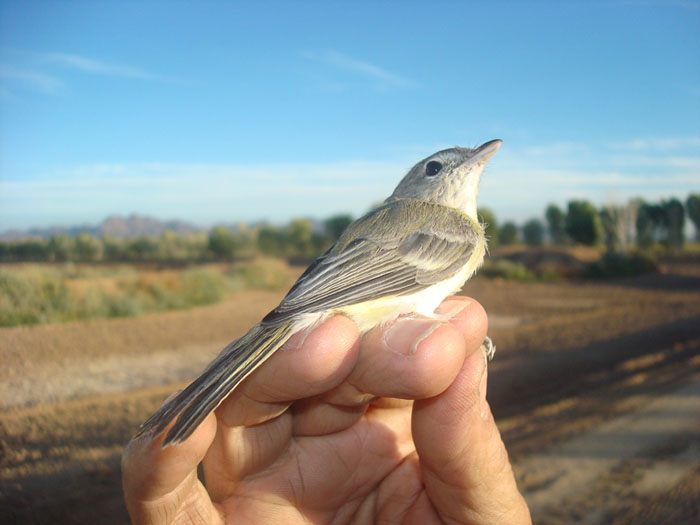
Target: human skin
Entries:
(390, 427)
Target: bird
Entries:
(404, 257)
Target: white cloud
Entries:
(197, 192)
(98, 67)
(517, 184)
(32, 73)
(382, 77)
(558, 149)
(32, 79)
(658, 144)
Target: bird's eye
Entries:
(432, 168)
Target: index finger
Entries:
(310, 363)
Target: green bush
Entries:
(33, 296)
(203, 286)
(266, 274)
(506, 269)
(614, 264)
(515, 271)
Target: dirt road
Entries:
(596, 388)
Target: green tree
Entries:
(508, 233)
(221, 242)
(171, 246)
(674, 221)
(300, 232)
(583, 223)
(319, 243)
(29, 250)
(272, 240)
(87, 248)
(59, 248)
(533, 232)
(692, 206)
(243, 240)
(488, 218)
(334, 226)
(649, 223)
(142, 249)
(556, 222)
(196, 245)
(113, 248)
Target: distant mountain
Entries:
(141, 226)
(115, 226)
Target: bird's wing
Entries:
(399, 249)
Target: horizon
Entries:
(267, 112)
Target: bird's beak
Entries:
(485, 151)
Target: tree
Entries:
(692, 206)
(196, 245)
(618, 223)
(28, 250)
(272, 240)
(488, 219)
(334, 226)
(300, 232)
(533, 232)
(583, 223)
(243, 241)
(221, 242)
(141, 248)
(171, 246)
(87, 248)
(113, 248)
(556, 222)
(508, 233)
(59, 248)
(674, 221)
(649, 223)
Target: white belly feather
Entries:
(371, 313)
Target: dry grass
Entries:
(35, 294)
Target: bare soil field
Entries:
(595, 386)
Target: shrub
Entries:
(33, 295)
(614, 264)
(507, 270)
(203, 286)
(267, 274)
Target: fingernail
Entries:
(296, 341)
(404, 335)
(451, 308)
(483, 405)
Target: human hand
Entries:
(391, 427)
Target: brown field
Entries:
(596, 388)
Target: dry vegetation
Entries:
(45, 293)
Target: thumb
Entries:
(161, 484)
(464, 462)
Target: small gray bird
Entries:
(420, 246)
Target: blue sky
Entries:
(219, 112)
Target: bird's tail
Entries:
(218, 379)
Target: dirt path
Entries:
(656, 447)
(596, 389)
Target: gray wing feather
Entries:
(372, 260)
